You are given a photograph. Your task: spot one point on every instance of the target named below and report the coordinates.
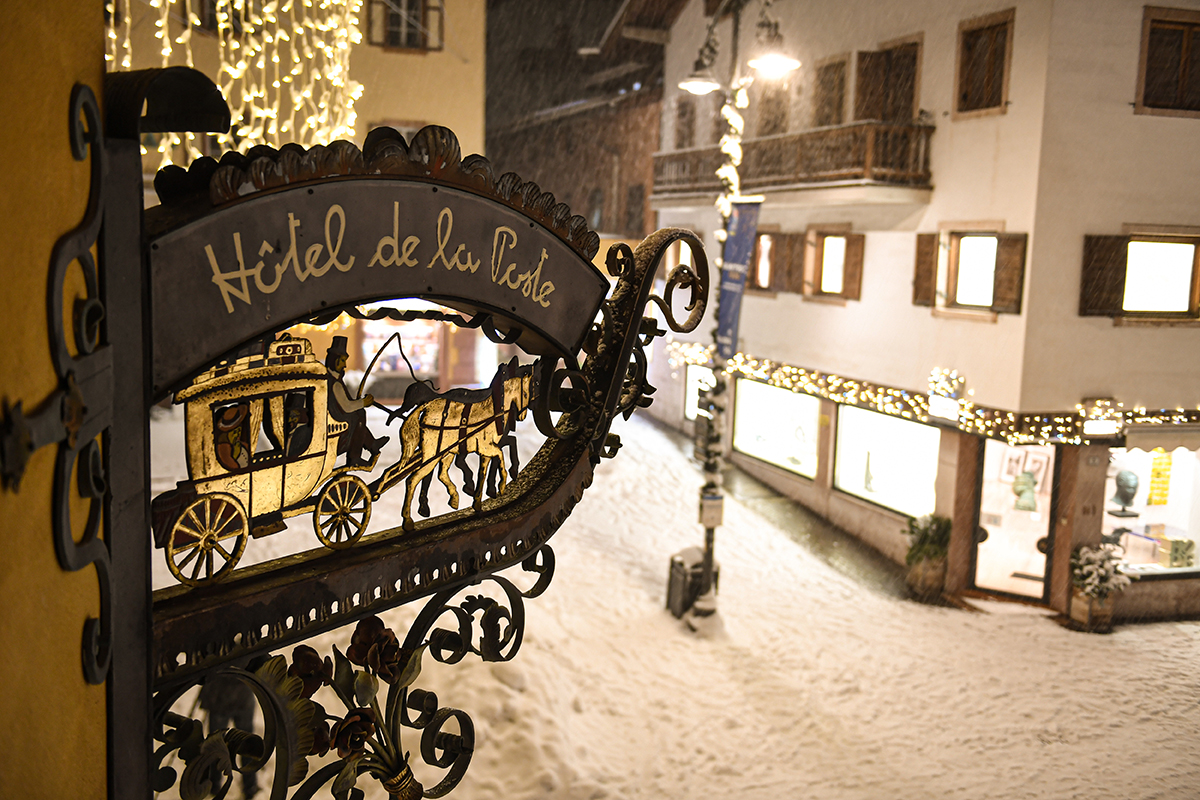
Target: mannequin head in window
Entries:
(1025, 488)
(1127, 486)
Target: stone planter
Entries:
(1090, 614)
(927, 578)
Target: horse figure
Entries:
(444, 428)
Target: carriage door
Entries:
(1013, 536)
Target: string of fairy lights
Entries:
(282, 65)
(1015, 429)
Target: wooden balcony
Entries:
(895, 154)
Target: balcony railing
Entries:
(890, 153)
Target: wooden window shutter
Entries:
(1009, 277)
(869, 88)
(1102, 284)
(900, 85)
(853, 266)
(787, 271)
(925, 270)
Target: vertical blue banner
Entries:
(739, 249)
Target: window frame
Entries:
(782, 262)
(935, 274)
(1151, 15)
(814, 257)
(952, 269)
(1103, 274)
(430, 41)
(1006, 18)
(876, 80)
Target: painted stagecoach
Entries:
(262, 442)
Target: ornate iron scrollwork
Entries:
(367, 737)
(575, 392)
(77, 415)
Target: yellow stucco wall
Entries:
(429, 88)
(53, 736)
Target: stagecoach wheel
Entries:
(342, 512)
(207, 539)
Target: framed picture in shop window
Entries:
(1039, 465)
(1012, 465)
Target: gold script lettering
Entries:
(336, 210)
(221, 279)
(401, 254)
(502, 236)
(445, 224)
(267, 288)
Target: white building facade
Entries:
(976, 289)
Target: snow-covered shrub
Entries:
(928, 538)
(1096, 571)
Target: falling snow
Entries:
(815, 685)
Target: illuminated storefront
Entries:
(889, 461)
(1151, 510)
(1015, 518)
(777, 426)
(1023, 492)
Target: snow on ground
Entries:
(816, 685)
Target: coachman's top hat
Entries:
(337, 348)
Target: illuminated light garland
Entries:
(731, 146)
(310, 101)
(993, 423)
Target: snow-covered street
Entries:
(818, 686)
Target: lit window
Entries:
(833, 264)
(976, 271)
(777, 425)
(1158, 276)
(762, 264)
(887, 460)
(1140, 275)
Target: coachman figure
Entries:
(350, 410)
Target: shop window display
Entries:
(777, 425)
(1014, 510)
(1152, 511)
(889, 461)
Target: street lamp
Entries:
(739, 221)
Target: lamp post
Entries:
(739, 219)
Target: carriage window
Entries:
(271, 429)
(231, 429)
(297, 424)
